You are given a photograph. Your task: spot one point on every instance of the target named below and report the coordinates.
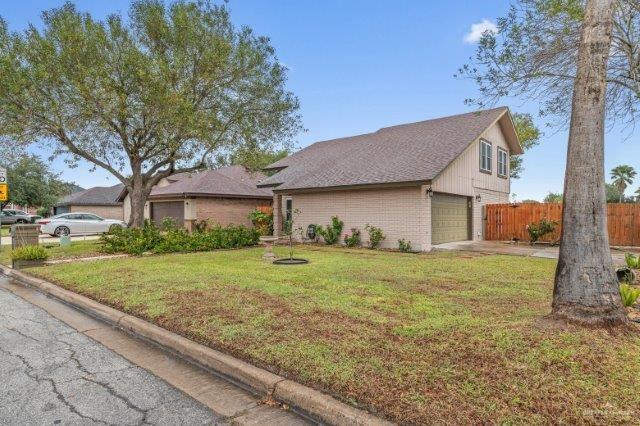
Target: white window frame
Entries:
(486, 149)
(503, 166)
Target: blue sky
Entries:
(360, 65)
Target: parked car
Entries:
(9, 218)
(78, 223)
(32, 217)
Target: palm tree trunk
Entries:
(586, 288)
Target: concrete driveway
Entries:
(522, 249)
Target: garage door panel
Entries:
(450, 215)
(172, 209)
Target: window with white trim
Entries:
(485, 156)
(503, 160)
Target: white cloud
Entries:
(477, 30)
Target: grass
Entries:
(435, 338)
(77, 249)
(4, 231)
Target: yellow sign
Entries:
(4, 192)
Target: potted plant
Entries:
(289, 231)
(28, 256)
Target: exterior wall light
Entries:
(429, 192)
(478, 198)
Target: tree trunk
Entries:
(586, 288)
(138, 193)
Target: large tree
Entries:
(529, 136)
(579, 59)
(145, 97)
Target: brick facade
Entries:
(105, 212)
(226, 211)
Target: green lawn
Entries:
(76, 249)
(4, 231)
(431, 338)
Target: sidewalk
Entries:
(6, 241)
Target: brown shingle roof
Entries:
(233, 181)
(96, 196)
(412, 152)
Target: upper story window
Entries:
(503, 161)
(485, 156)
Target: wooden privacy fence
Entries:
(507, 221)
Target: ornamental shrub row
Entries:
(171, 239)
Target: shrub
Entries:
(262, 221)
(29, 253)
(404, 246)
(632, 260)
(150, 239)
(331, 233)
(539, 229)
(629, 295)
(353, 239)
(43, 211)
(376, 236)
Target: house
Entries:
(224, 196)
(425, 182)
(99, 200)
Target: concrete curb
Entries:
(318, 405)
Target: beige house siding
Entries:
(399, 212)
(226, 211)
(105, 212)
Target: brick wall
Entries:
(105, 212)
(400, 212)
(227, 211)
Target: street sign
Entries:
(3, 176)
(4, 192)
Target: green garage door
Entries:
(450, 218)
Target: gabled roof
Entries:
(96, 196)
(232, 181)
(415, 152)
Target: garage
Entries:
(450, 218)
(172, 209)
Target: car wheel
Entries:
(114, 227)
(21, 221)
(62, 230)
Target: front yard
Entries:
(77, 249)
(430, 338)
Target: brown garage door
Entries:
(450, 218)
(172, 209)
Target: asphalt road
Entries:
(52, 374)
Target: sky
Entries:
(358, 65)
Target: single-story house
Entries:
(224, 196)
(99, 200)
(425, 182)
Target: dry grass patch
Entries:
(417, 338)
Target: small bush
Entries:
(29, 253)
(376, 236)
(539, 229)
(262, 221)
(632, 261)
(150, 239)
(43, 211)
(404, 246)
(629, 295)
(353, 239)
(331, 233)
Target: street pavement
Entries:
(52, 374)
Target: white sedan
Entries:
(78, 223)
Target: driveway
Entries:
(522, 249)
(53, 373)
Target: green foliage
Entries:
(629, 294)
(553, 197)
(159, 90)
(404, 246)
(32, 183)
(539, 229)
(331, 233)
(262, 221)
(150, 238)
(529, 136)
(376, 236)
(622, 176)
(29, 253)
(632, 260)
(353, 239)
(252, 157)
(43, 211)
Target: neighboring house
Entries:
(99, 200)
(426, 182)
(224, 196)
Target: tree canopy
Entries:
(144, 97)
(622, 176)
(529, 136)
